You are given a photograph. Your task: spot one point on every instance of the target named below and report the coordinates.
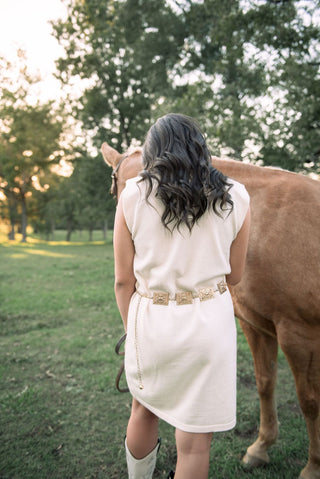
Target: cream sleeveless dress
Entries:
(180, 360)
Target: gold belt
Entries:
(186, 297)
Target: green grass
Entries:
(61, 416)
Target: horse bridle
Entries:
(114, 185)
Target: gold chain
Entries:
(137, 345)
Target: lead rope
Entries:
(117, 349)
(136, 344)
(259, 328)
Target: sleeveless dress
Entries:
(180, 359)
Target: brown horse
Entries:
(278, 300)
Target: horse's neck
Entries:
(238, 170)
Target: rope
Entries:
(117, 349)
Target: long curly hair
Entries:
(177, 163)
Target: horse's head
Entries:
(133, 165)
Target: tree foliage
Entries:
(223, 62)
(88, 192)
(29, 142)
(124, 51)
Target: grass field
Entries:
(61, 416)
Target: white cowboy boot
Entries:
(141, 468)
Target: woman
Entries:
(181, 234)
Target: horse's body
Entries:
(278, 298)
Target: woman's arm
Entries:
(238, 252)
(123, 256)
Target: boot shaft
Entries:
(141, 468)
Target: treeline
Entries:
(247, 70)
(79, 202)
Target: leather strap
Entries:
(118, 378)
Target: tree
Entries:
(256, 66)
(285, 35)
(248, 70)
(29, 142)
(125, 52)
(95, 206)
(9, 209)
(68, 197)
(44, 207)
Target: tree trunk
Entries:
(69, 230)
(13, 214)
(23, 218)
(105, 230)
(11, 234)
(53, 227)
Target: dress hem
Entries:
(185, 427)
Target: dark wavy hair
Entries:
(177, 163)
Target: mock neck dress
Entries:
(180, 356)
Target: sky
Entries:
(24, 24)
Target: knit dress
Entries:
(180, 359)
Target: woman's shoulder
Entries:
(132, 182)
(132, 187)
(238, 190)
(241, 203)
